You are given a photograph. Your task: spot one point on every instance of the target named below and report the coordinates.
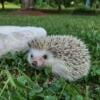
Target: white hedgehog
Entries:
(15, 38)
(67, 56)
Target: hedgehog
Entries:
(67, 56)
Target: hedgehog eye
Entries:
(45, 56)
(31, 55)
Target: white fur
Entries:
(15, 38)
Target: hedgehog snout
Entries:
(38, 61)
(34, 63)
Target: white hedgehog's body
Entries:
(15, 38)
(66, 55)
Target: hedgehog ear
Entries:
(29, 45)
(53, 51)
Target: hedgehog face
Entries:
(39, 58)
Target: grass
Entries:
(10, 5)
(19, 82)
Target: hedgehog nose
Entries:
(34, 63)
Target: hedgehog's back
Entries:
(67, 48)
(73, 52)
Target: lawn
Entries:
(10, 6)
(18, 81)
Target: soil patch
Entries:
(28, 13)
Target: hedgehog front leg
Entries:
(50, 81)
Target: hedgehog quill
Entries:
(67, 56)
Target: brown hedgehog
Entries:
(67, 56)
